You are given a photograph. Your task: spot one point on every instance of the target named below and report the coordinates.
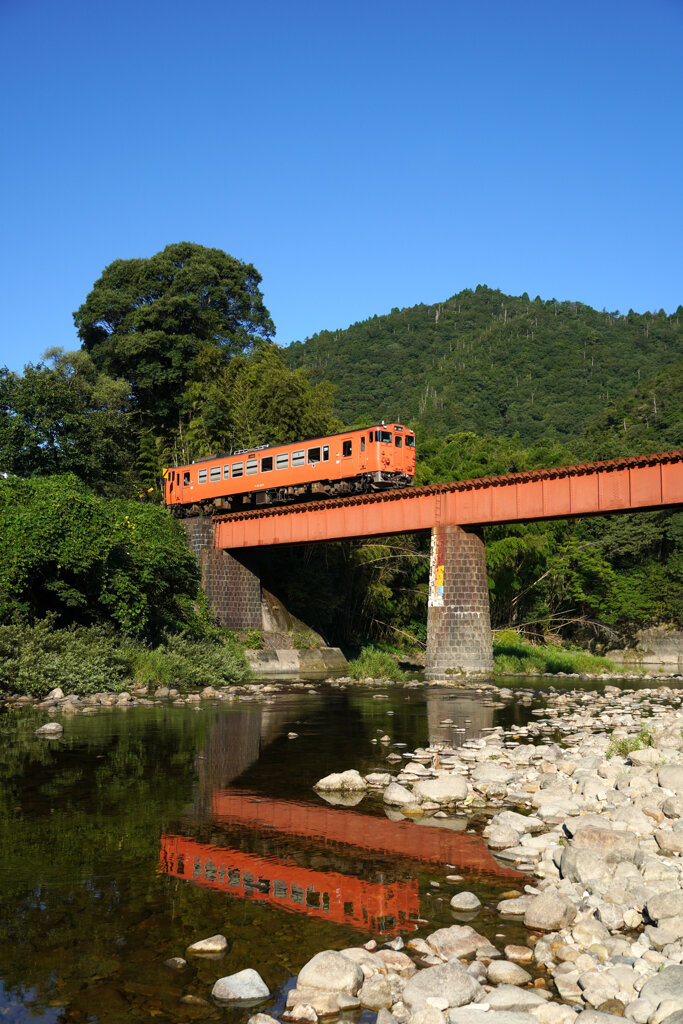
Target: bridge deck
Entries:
(595, 488)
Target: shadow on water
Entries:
(144, 830)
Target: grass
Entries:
(623, 747)
(375, 664)
(512, 656)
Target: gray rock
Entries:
(398, 796)
(670, 776)
(375, 993)
(449, 980)
(584, 865)
(56, 694)
(330, 971)
(215, 945)
(665, 904)
(469, 1015)
(488, 772)
(669, 840)
(549, 912)
(341, 782)
(673, 807)
(638, 1010)
(668, 984)
(613, 845)
(444, 790)
(509, 997)
(384, 1017)
(502, 972)
(595, 1017)
(262, 1018)
(50, 731)
(587, 933)
(457, 941)
(674, 1018)
(243, 986)
(465, 901)
(502, 837)
(176, 963)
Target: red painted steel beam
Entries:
(594, 488)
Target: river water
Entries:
(145, 829)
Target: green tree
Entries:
(177, 317)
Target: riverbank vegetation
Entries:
(514, 656)
(177, 361)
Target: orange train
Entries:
(353, 462)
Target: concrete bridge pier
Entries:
(459, 640)
(233, 589)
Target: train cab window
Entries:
(410, 440)
(237, 468)
(186, 479)
(282, 461)
(372, 436)
(313, 456)
(202, 475)
(252, 467)
(215, 474)
(384, 436)
(398, 441)
(266, 463)
(326, 453)
(298, 458)
(362, 444)
(347, 447)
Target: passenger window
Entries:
(326, 453)
(398, 441)
(410, 441)
(252, 467)
(298, 458)
(346, 448)
(202, 476)
(215, 474)
(186, 479)
(372, 436)
(266, 463)
(313, 456)
(282, 461)
(226, 472)
(237, 468)
(362, 444)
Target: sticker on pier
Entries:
(436, 570)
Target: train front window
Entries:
(186, 479)
(385, 437)
(372, 436)
(410, 441)
(347, 447)
(398, 441)
(313, 456)
(362, 444)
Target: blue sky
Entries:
(362, 155)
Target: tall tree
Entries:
(177, 317)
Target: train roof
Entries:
(286, 444)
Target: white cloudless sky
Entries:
(362, 155)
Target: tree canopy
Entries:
(177, 317)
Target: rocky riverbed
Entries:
(588, 799)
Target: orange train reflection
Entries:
(376, 906)
(337, 825)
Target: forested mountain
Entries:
(493, 364)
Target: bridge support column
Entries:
(231, 586)
(459, 638)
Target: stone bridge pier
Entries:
(459, 640)
(232, 587)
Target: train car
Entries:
(352, 462)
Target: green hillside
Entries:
(493, 364)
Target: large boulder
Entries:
(50, 731)
(549, 912)
(244, 986)
(398, 796)
(457, 941)
(330, 971)
(668, 984)
(342, 782)
(612, 844)
(445, 789)
(450, 981)
(584, 865)
(670, 776)
(665, 904)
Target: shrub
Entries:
(513, 657)
(625, 746)
(375, 664)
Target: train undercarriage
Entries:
(366, 484)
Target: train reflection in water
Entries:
(377, 906)
(281, 834)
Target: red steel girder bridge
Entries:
(638, 483)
